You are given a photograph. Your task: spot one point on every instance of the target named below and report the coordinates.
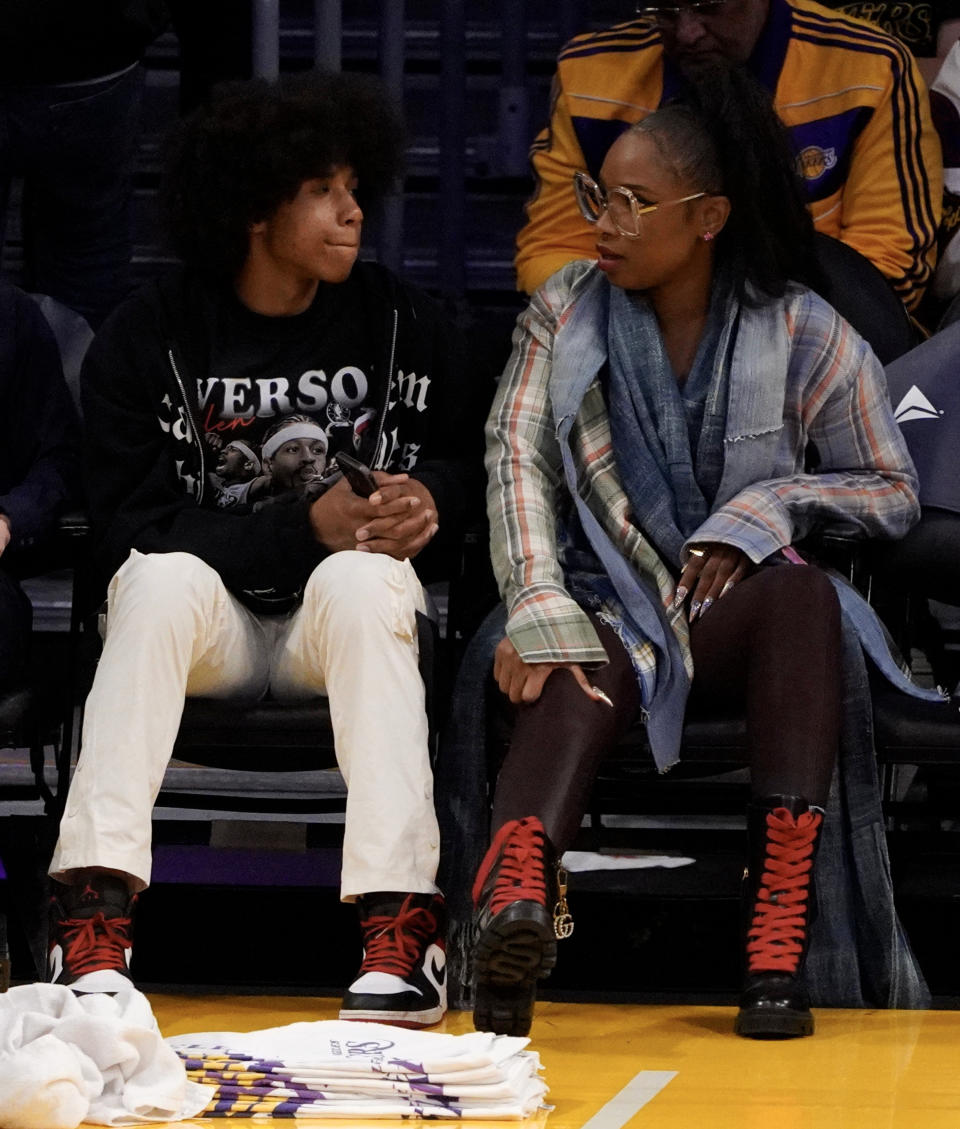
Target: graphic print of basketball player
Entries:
(238, 476)
(294, 457)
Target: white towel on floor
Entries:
(579, 862)
(100, 1058)
(344, 1069)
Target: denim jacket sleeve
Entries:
(851, 468)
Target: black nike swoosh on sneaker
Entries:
(439, 972)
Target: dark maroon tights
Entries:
(770, 646)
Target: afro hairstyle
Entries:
(236, 159)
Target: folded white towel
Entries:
(345, 1069)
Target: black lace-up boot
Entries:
(521, 911)
(784, 831)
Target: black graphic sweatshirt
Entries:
(149, 468)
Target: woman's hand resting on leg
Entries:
(712, 569)
(523, 682)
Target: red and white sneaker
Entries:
(403, 978)
(91, 935)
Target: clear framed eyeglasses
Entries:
(671, 13)
(625, 210)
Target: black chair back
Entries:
(859, 292)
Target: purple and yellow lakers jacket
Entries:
(850, 95)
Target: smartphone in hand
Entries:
(358, 474)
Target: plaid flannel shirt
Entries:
(835, 405)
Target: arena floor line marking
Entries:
(633, 1097)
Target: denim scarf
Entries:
(656, 427)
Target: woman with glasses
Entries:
(676, 414)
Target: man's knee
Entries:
(364, 584)
(162, 583)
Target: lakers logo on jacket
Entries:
(813, 161)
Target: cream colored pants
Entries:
(173, 630)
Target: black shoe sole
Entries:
(504, 1011)
(517, 948)
(767, 1023)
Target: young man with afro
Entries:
(271, 314)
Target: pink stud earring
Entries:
(707, 236)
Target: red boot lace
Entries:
(394, 942)
(776, 937)
(517, 851)
(94, 943)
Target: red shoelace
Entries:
(518, 849)
(394, 942)
(776, 937)
(94, 943)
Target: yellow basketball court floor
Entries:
(631, 1066)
